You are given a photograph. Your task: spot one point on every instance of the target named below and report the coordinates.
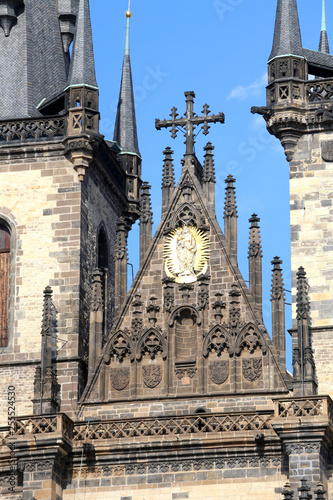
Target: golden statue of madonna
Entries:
(186, 252)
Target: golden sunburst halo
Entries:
(186, 254)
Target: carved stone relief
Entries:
(219, 371)
(152, 375)
(252, 368)
(120, 378)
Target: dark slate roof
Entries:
(323, 44)
(68, 6)
(82, 67)
(287, 33)
(125, 132)
(319, 60)
(32, 65)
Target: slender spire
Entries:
(82, 67)
(323, 44)
(287, 33)
(125, 133)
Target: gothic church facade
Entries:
(174, 389)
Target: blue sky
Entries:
(219, 49)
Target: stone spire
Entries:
(168, 180)
(209, 179)
(303, 362)
(287, 33)
(230, 218)
(125, 133)
(255, 263)
(323, 44)
(82, 67)
(278, 311)
(146, 221)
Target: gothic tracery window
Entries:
(4, 283)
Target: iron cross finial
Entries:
(189, 122)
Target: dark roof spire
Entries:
(125, 133)
(82, 68)
(323, 44)
(287, 33)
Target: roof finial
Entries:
(323, 44)
(128, 15)
(323, 19)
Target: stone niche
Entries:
(9, 11)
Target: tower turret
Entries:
(299, 113)
(82, 94)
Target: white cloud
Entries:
(258, 122)
(254, 88)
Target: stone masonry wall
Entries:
(100, 209)
(311, 195)
(40, 198)
(232, 484)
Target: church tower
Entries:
(64, 193)
(174, 389)
(299, 114)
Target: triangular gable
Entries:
(192, 311)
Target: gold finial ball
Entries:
(128, 13)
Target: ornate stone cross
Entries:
(189, 122)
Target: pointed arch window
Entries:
(103, 265)
(5, 243)
(103, 259)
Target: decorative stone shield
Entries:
(252, 368)
(219, 371)
(152, 375)
(120, 378)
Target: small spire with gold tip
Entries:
(125, 134)
(128, 16)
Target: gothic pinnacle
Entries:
(209, 169)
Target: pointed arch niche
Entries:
(103, 266)
(7, 281)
